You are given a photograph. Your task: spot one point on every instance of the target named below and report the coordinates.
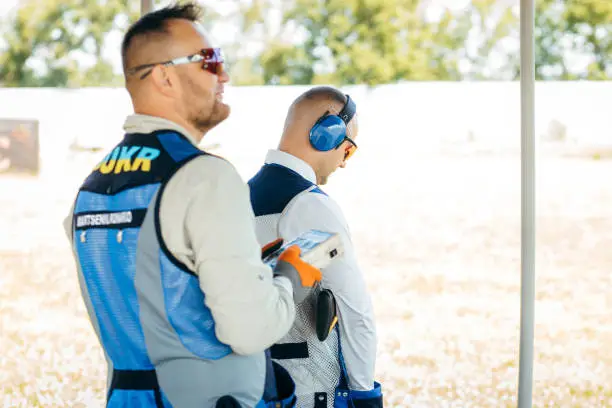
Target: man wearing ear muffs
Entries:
(330, 351)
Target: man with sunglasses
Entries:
(168, 261)
(329, 353)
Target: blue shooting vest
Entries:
(147, 307)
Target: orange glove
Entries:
(303, 276)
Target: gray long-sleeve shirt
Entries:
(207, 223)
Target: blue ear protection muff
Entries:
(330, 130)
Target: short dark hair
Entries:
(156, 23)
(324, 92)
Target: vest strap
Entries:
(134, 380)
(288, 351)
(320, 400)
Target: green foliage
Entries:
(572, 29)
(323, 41)
(379, 41)
(496, 23)
(364, 41)
(590, 23)
(549, 31)
(285, 64)
(46, 35)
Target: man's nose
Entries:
(224, 77)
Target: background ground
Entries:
(439, 240)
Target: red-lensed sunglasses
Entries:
(211, 58)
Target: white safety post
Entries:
(146, 6)
(527, 22)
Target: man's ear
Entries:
(163, 80)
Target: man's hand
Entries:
(303, 276)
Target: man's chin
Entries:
(221, 113)
(226, 108)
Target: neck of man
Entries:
(295, 146)
(194, 133)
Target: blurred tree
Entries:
(572, 40)
(486, 27)
(245, 71)
(376, 41)
(589, 22)
(380, 41)
(323, 41)
(48, 37)
(252, 27)
(351, 42)
(549, 31)
(49, 42)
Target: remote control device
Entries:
(318, 248)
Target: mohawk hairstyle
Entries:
(155, 23)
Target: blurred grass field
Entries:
(439, 240)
